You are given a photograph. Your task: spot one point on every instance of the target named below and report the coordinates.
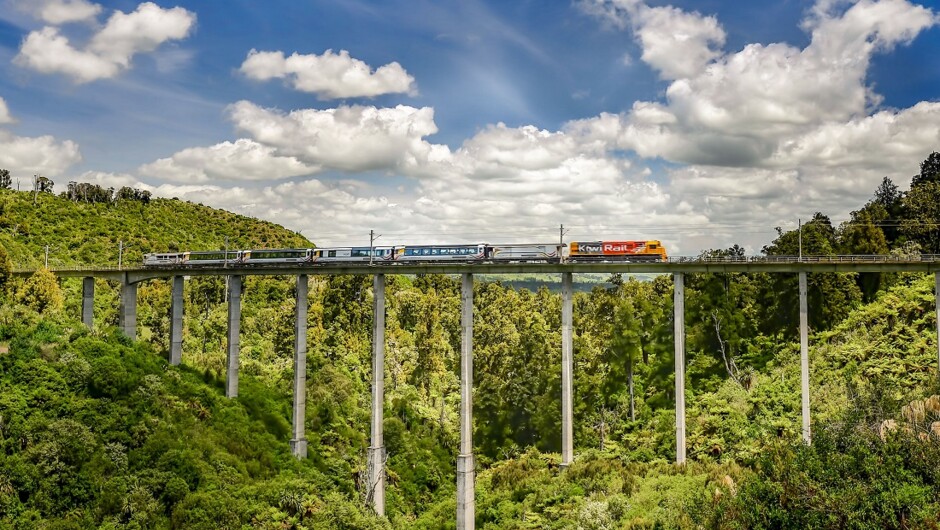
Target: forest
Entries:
(97, 431)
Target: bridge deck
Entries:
(772, 264)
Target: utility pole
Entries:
(372, 237)
(561, 243)
(800, 232)
(120, 253)
(225, 248)
(47, 257)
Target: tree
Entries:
(41, 292)
(885, 208)
(888, 194)
(860, 236)
(929, 171)
(922, 224)
(43, 184)
(626, 348)
(6, 268)
(6, 181)
(831, 296)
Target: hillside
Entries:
(97, 432)
(88, 233)
(872, 464)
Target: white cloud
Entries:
(127, 34)
(242, 159)
(756, 138)
(25, 156)
(353, 138)
(330, 76)
(48, 52)
(58, 12)
(676, 43)
(499, 185)
(772, 132)
(111, 49)
(748, 108)
(5, 117)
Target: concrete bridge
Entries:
(678, 267)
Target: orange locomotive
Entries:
(651, 250)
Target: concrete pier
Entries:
(567, 366)
(466, 505)
(804, 359)
(234, 331)
(128, 309)
(679, 319)
(298, 443)
(176, 321)
(376, 474)
(88, 302)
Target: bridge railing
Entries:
(838, 258)
(71, 268)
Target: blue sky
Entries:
(701, 123)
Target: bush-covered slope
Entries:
(100, 432)
(88, 233)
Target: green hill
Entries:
(96, 431)
(88, 233)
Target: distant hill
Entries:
(88, 233)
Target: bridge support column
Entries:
(128, 309)
(376, 464)
(567, 366)
(678, 280)
(937, 299)
(234, 331)
(804, 359)
(176, 321)
(466, 505)
(298, 444)
(88, 302)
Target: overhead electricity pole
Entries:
(372, 238)
(561, 243)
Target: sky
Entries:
(703, 123)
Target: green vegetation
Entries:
(88, 233)
(99, 432)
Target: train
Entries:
(577, 251)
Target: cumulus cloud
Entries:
(348, 138)
(242, 159)
(676, 43)
(58, 12)
(748, 107)
(755, 138)
(5, 117)
(330, 76)
(127, 34)
(499, 184)
(772, 131)
(48, 52)
(40, 155)
(111, 49)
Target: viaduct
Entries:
(678, 267)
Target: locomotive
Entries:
(577, 252)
